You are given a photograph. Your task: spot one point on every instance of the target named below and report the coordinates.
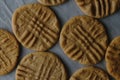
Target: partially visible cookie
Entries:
(9, 51)
(35, 26)
(84, 39)
(41, 66)
(98, 8)
(113, 58)
(51, 2)
(90, 73)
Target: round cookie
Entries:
(51, 2)
(41, 66)
(35, 26)
(84, 39)
(98, 8)
(113, 58)
(9, 52)
(90, 73)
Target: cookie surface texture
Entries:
(51, 2)
(9, 51)
(84, 39)
(98, 8)
(113, 58)
(90, 73)
(35, 26)
(42, 66)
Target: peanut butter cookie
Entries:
(98, 8)
(35, 26)
(90, 73)
(9, 51)
(113, 58)
(84, 39)
(41, 66)
(51, 2)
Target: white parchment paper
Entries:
(64, 13)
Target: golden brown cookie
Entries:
(98, 8)
(9, 51)
(90, 73)
(51, 2)
(113, 58)
(35, 26)
(84, 39)
(41, 66)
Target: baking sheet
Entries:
(64, 12)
